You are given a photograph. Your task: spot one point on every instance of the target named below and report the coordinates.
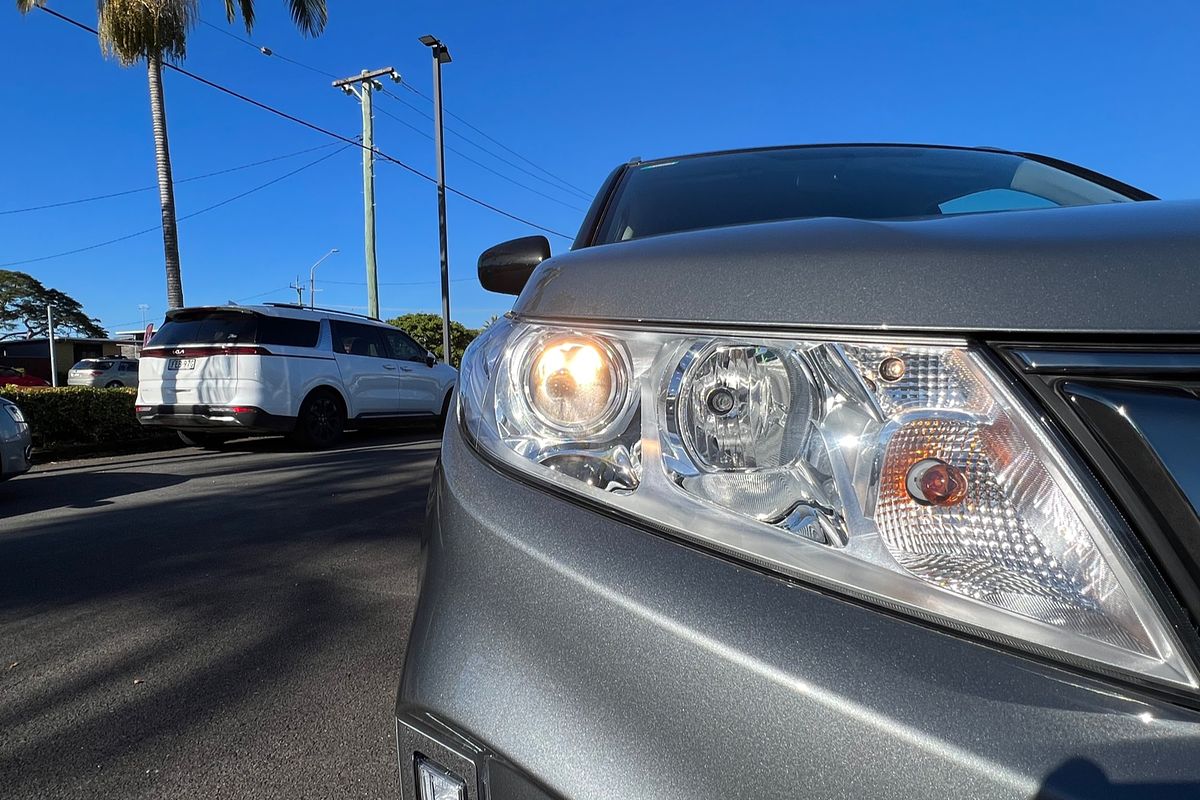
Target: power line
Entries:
(313, 126)
(111, 195)
(267, 51)
(404, 283)
(502, 145)
(566, 190)
(480, 164)
(565, 185)
(144, 231)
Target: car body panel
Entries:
(566, 651)
(16, 444)
(119, 372)
(13, 377)
(607, 662)
(273, 384)
(1107, 269)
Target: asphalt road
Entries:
(209, 625)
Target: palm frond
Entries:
(135, 30)
(310, 16)
(243, 8)
(25, 6)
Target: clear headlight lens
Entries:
(903, 472)
(15, 413)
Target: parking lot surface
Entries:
(196, 624)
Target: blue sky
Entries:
(576, 88)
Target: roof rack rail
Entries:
(322, 308)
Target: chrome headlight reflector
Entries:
(901, 471)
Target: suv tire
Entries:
(321, 421)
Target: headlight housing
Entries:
(902, 471)
(15, 413)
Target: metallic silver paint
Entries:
(15, 443)
(1125, 267)
(607, 662)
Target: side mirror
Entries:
(506, 267)
(430, 359)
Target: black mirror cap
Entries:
(506, 267)
(430, 359)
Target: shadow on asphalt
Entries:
(280, 603)
(75, 490)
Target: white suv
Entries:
(216, 372)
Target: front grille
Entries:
(1135, 414)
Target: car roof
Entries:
(287, 311)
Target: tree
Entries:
(151, 30)
(427, 330)
(23, 302)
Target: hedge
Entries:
(78, 415)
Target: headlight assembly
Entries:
(902, 471)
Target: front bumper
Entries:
(242, 419)
(558, 648)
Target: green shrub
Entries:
(78, 415)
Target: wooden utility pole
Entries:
(362, 86)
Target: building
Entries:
(32, 356)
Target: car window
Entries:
(994, 200)
(857, 182)
(357, 340)
(89, 363)
(207, 327)
(9, 372)
(288, 332)
(403, 347)
(129, 366)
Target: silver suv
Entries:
(111, 372)
(857, 471)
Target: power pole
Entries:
(441, 56)
(299, 287)
(366, 83)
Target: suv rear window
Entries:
(231, 327)
(90, 364)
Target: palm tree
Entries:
(150, 30)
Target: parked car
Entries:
(221, 371)
(834, 471)
(110, 373)
(16, 447)
(14, 377)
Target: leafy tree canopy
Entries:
(23, 302)
(427, 330)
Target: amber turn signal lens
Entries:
(933, 482)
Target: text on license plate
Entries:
(181, 363)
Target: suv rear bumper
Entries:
(560, 648)
(213, 418)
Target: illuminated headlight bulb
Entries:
(576, 383)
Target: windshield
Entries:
(861, 182)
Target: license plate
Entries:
(181, 363)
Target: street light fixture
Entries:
(441, 56)
(312, 279)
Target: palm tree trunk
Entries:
(166, 186)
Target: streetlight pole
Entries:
(312, 279)
(441, 56)
(50, 339)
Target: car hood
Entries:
(1119, 268)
